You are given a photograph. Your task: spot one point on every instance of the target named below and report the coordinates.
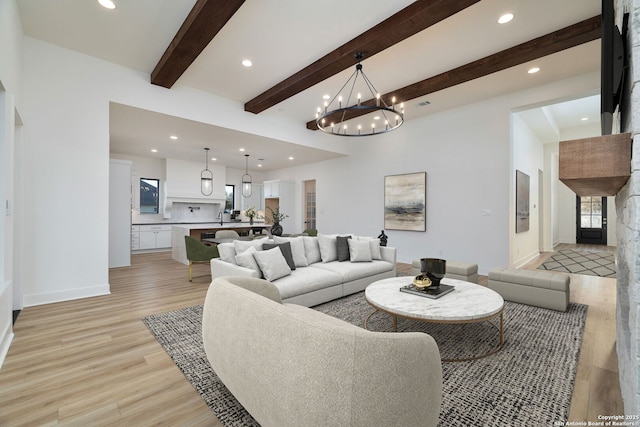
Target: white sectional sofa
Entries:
(316, 269)
(292, 366)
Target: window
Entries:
(591, 212)
(230, 194)
(149, 196)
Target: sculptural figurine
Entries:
(383, 238)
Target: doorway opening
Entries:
(591, 220)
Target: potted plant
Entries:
(277, 217)
(251, 213)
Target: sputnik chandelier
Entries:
(333, 118)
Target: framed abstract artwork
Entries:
(405, 202)
(522, 202)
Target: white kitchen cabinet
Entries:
(271, 189)
(135, 237)
(155, 237)
(276, 189)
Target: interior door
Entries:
(591, 220)
(309, 207)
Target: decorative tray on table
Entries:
(432, 292)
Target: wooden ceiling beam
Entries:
(568, 37)
(409, 21)
(206, 19)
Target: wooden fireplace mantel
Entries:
(598, 166)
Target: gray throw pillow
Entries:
(343, 247)
(285, 248)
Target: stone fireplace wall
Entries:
(628, 222)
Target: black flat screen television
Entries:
(612, 65)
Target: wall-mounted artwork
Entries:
(522, 202)
(405, 202)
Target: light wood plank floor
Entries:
(93, 362)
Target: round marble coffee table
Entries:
(467, 303)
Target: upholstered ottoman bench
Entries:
(532, 287)
(455, 270)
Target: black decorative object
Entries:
(430, 292)
(383, 238)
(276, 229)
(434, 268)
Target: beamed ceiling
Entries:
(414, 50)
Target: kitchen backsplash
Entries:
(183, 212)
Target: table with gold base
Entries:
(468, 303)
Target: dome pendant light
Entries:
(246, 179)
(206, 176)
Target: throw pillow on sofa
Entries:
(342, 248)
(286, 252)
(375, 246)
(243, 245)
(359, 251)
(328, 249)
(297, 249)
(272, 264)
(311, 249)
(227, 252)
(247, 260)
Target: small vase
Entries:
(276, 229)
(383, 238)
(250, 221)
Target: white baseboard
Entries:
(71, 294)
(5, 343)
(526, 259)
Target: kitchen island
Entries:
(178, 250)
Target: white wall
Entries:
(10, 103)
(528, 157)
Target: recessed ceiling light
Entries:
(247, 63)
(533, 70)
(153, 150)
(505, 18)
(584, 119)
(290, 157)
(173, 137)
(107, 4)
(213, 159)
(259, 165)
(326, 96)
(241, 149)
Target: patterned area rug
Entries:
(591, 263)
(528, 382)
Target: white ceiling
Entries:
(283, 36)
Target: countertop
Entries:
(208, 225)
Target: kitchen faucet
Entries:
(221, 218)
